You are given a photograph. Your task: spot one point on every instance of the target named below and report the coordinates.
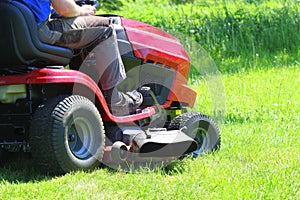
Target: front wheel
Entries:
(201, 128)
(67, 134)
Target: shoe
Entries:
(121, 104)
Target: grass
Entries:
(259, 157)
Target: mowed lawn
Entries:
(259, 156)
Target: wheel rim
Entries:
(80, 138)
(200, 136)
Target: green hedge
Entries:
(241, 31)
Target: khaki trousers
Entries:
(86, 31)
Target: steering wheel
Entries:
(94, 3)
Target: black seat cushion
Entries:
(19, 42)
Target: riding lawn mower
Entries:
(59, 115)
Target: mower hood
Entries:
(154, 45)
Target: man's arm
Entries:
(68, 8)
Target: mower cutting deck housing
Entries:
(60, 115)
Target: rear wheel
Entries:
(201, 128)
(67, 134)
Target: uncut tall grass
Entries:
(240, 35)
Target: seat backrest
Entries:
(19, 42)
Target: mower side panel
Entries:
(81, 83)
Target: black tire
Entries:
(201, 128)
(67, 134)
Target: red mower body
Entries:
(152, 44)
(149, 44)
(61, 117)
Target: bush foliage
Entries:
(241, 31)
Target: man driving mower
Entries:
(78, 28)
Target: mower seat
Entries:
(19, 42)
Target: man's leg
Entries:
(80, 32)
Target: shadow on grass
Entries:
(18, 168)
(176, 167)
(162, 167)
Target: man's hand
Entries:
(87, 10)
(68, 8)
